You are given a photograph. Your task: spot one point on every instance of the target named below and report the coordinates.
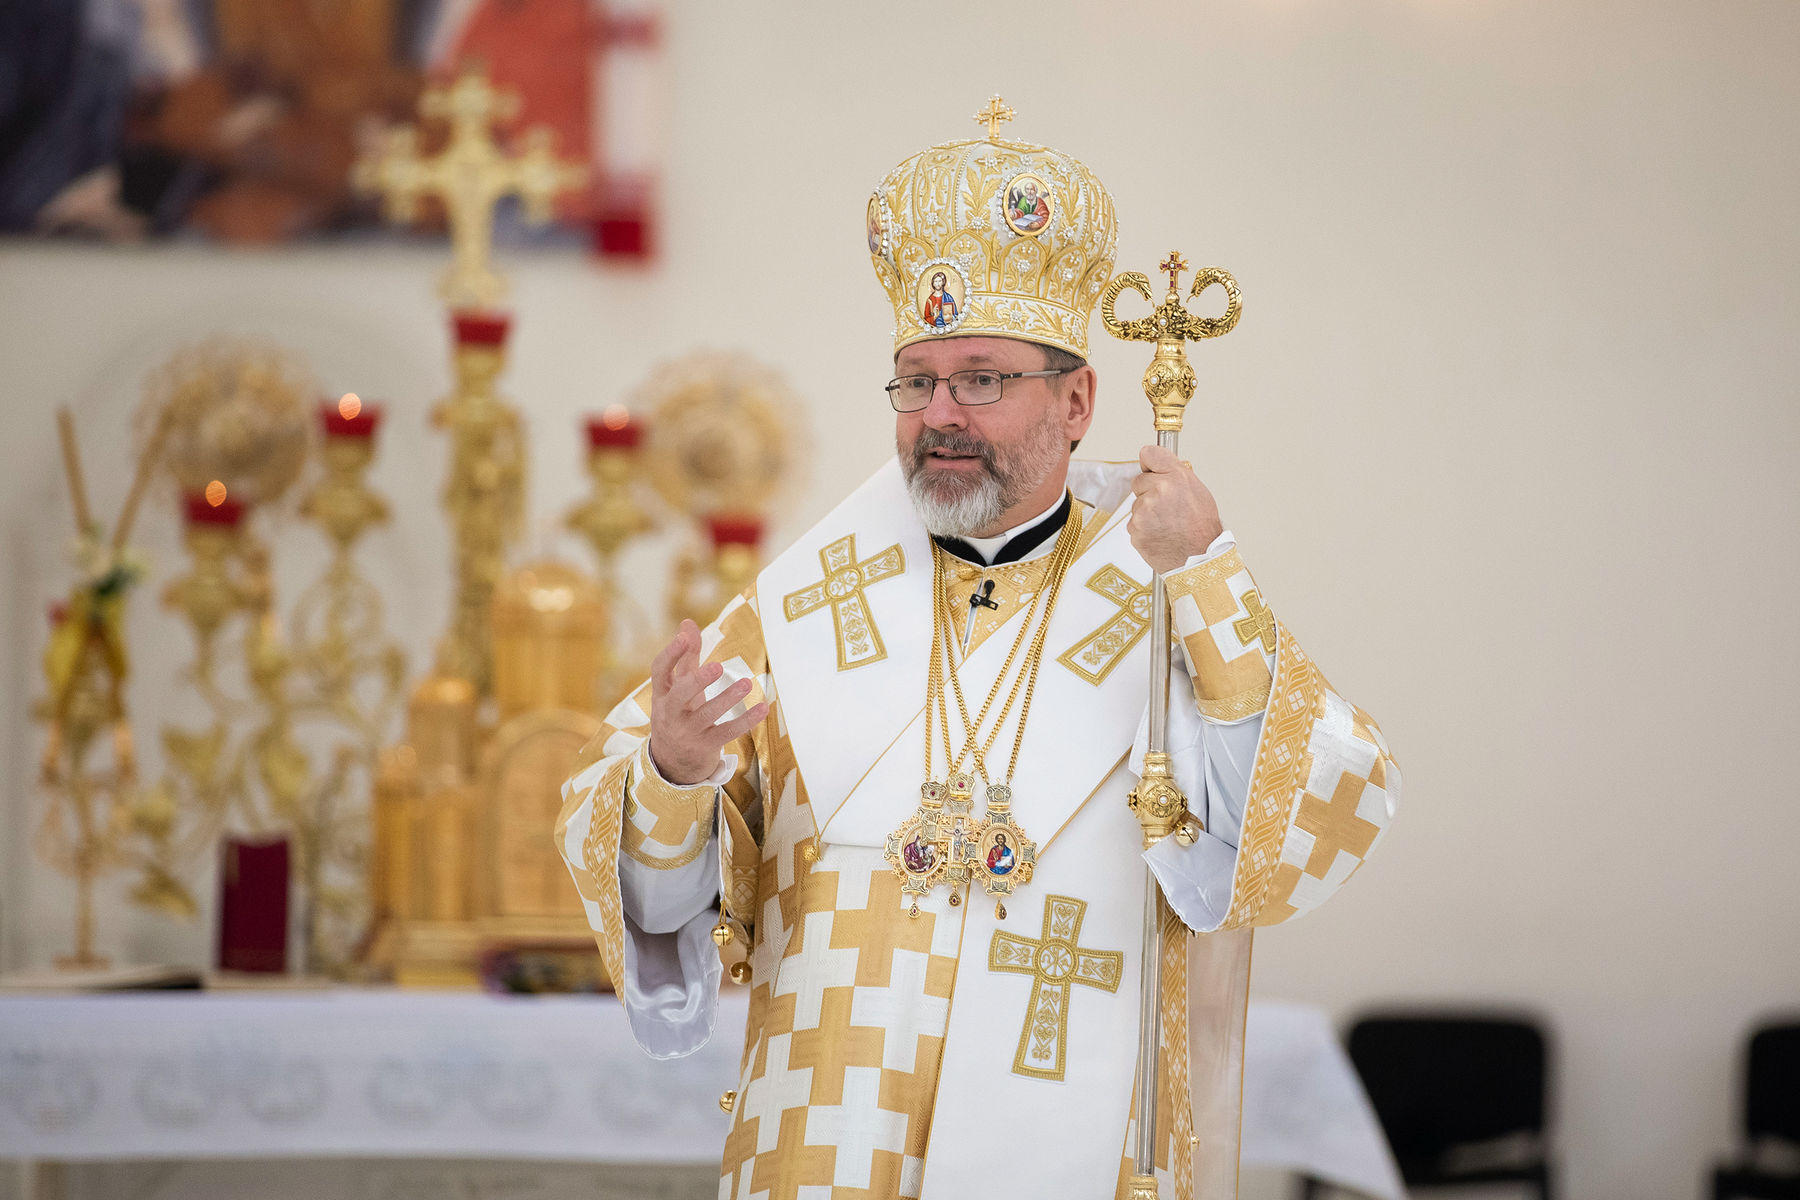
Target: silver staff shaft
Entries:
(1157, 800)
(1143, 1153)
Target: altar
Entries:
(375, 1074)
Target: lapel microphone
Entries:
(983, 598)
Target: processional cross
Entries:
(470, 175)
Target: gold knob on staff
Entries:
(1169, 380)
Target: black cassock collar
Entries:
(1018, 547)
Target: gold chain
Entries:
(940, 658)
(1026, 680)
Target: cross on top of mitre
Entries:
(470, 175)
(997, 110)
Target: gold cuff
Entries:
(666, 825)
(1227, 633)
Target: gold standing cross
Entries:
(470, 175)
(858, 640)
(1056, 962)
(997, 110)
(1260, 624)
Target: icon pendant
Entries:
(1002, 856)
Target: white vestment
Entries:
(895, 1055)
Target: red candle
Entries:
(202, 511)
(614, 428)
(476, 328)
(343, 419)
(734, 529)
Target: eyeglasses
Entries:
(911, 393)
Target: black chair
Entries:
(1461, 1098)
(1771, 1121)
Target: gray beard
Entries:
(978, 507)
(958, 507)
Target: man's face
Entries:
(964, 466)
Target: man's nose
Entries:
(943, 412)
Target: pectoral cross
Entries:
(470, 176)
(1056, 962)
(997, 110)
(858, 639)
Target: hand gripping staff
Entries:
(1159, 804)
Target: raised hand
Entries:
(686, 737)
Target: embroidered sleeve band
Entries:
(1227, 633)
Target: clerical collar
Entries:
(1015, 543)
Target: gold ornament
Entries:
(995, 237)
(462, 865)
(484, 497)
(721, 433)
(549, 632)
(740, 972)
(97, 819)
(470, 176)
(237, 413)
(291, 736)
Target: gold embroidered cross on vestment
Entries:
(1094, 656)
(858, 639)
(1056, 962)
(1259, 624)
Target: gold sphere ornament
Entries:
(721, 934)
(239, 415)
(722, 433)
(727, 1101)
(740, 972)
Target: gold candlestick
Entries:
(1159, 804)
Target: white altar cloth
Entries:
(347, 1073)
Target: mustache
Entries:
(954, 442)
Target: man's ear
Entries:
(1081, 387)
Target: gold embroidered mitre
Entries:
(992, 237)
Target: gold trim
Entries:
(632, 840)
(1214, 572)
(1282, 765)
(1056, 961)
(1236, 708)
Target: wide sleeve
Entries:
(651, 858)
(1292, 783)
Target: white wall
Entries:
(1507, 432)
